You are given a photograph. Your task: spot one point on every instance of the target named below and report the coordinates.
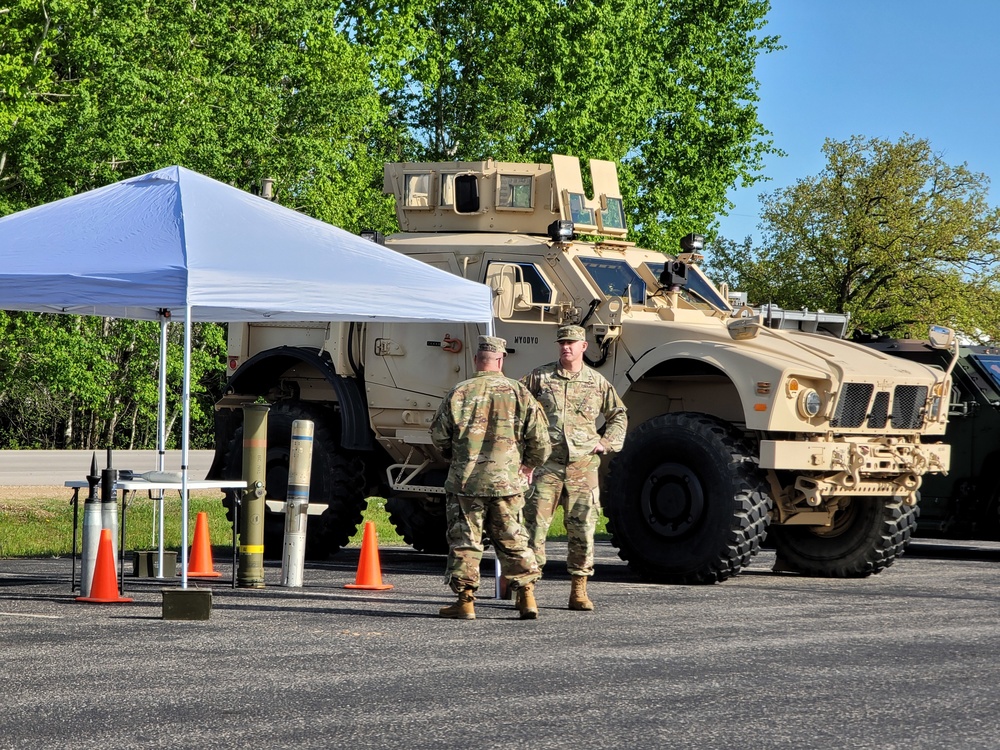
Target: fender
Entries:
(700, 358)
(263, 369)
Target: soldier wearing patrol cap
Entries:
(494, 434)
(573, 396)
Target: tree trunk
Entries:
(131, 435)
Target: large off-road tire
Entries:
(990, 526)
(420, 520)
(685, 500)
(866, 537)
(336, 479)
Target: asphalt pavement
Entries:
(905, 659)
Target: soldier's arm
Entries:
(615, 420)
(536, 436)
(530, 381)
(442, 429)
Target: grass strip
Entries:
(43, 526)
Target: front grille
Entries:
(852, 407)
(907, 406)
(880, 411)
(856, 407)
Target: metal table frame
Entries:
(129, 488)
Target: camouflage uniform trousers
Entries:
(501, 519)
(577, 488)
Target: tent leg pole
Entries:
(185, 440)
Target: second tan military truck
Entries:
(736, 430)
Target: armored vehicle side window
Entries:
(465, 186)
(616, 278)
(514, 192)
(418, 191)
(541, 292)
(579, 213)
(614, 216)
(466, 193)
(990, 365)
(698, 292)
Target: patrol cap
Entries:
(492, 344)
(571, 333)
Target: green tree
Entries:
(664, 88)
(888, 232)
(92, 92)
(75, 382)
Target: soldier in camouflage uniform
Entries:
(495, 435)
(573, 397)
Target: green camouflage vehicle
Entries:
(735, 428)
(965, 503)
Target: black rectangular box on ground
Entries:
(187, 604)
(145, 564)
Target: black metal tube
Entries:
(76, 518)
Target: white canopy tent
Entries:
(176, 245)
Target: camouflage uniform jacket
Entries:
(572, 403)
(488, 426)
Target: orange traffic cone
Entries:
(200, 565)
(104, 586)
(369, 570)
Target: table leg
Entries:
(76, 516)
(159, 546)
(237, 500)
(121, 541)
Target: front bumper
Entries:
(855, 467)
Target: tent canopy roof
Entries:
(173, 238)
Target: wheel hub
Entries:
(672, 499)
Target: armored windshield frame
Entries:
(698, 286)
(614, 277)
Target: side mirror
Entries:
(742, 329)
(941, 337)
(501, 278)
(522, 296)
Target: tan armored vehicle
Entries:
(735, 429)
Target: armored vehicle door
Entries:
(416, 358)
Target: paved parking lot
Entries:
(905, 659)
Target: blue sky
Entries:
(876, 68)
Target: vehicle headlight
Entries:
(935, 408)
(809, 403)
(937, 398)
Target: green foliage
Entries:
(384, 528)
(557, 531)
(78, 382)
(43, 526)
(99, 91)
(666, 89)
(888, 232)
(94, 92)
(318, 97)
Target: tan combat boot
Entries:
(463, 609)
(578, 595)
(526, 602)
